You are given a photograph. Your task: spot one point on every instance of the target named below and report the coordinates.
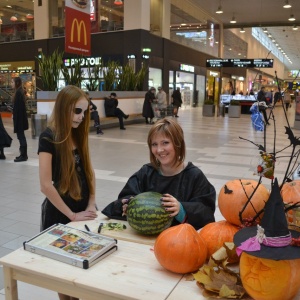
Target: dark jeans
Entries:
(263, 111)
(22, 139)
(120, 115)
(95, 117)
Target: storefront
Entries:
(212, 86)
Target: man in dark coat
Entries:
(112, 110)
(147, 107)
(176, 101)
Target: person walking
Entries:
(262, 103)
(111, 109)
(67, 178)
(5, 139)
(147, 106)
(20, 119)
(177, 101)
(287, 99)
(161, 101)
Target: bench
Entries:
(110, 122)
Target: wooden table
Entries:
(127, 234)
(132, 272)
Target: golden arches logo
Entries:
(78, 25)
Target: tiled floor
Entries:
(213, 144)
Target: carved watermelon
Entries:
(146, 215)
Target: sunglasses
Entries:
(77, 110)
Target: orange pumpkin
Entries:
(180, 249)
(234, 195)
(290, 192)
(216, 234)
(267, 279)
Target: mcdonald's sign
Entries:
(78, 25)
(78, 28)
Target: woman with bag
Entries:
(5, 139)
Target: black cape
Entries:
(190, 187)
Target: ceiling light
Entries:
(29, 16)
(219, 10)
(233, 20)
(14, 18)
(292, 18)
(265, 30)
(242, 30)
(118, 2)
(269, 35)
(287, 5)
(0, 21)
(295, 27)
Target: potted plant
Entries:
(208, 109)
(234, 109)
(73, 75)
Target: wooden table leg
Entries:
(11, 288)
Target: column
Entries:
(137, 14)
(166, 19)
(41, 19)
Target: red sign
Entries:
(78, 32)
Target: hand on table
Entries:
(85, 215)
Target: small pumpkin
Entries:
(180, 249)
(216, 234)
(290, 192)
(234, 195)
(267, 279)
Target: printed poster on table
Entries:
(78, 27)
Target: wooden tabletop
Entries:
(132, 272)
(127, 234)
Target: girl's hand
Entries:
(171, 204)
(125, 205)
(85, 215)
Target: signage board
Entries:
(239, 63)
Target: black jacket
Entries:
(110, 105)
(190, 187)
(19, 111)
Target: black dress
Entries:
(190, 187)
(50, 214)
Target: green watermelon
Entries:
(146, 215)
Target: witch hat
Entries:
(271, 239)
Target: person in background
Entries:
(5, 139)
(111, 109)
(161, 98)
(176, 101)
(67, 178)
(262, 103)
(147, 106)
(20, 118)
(188, 196)
(287, 99)
(277, 96)
(94, 115)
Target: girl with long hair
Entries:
(66, 175)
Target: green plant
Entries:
(127, 79)
(146, 215)
(73, 74)
(93, 77)
(110, 74)
(140, 77)
(50, 67)
(235, 102)
(208, 102)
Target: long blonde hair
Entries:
(64, 135)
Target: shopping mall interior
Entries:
(183, 44)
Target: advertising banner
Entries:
(78, 27)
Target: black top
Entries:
(190, 187)
(110, 105)
(177, 101)
(147, 105)
(50, 214)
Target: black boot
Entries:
(23, 156)
(2, 156)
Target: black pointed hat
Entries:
(271, 239)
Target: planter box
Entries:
(208, 110)
(234, 111)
